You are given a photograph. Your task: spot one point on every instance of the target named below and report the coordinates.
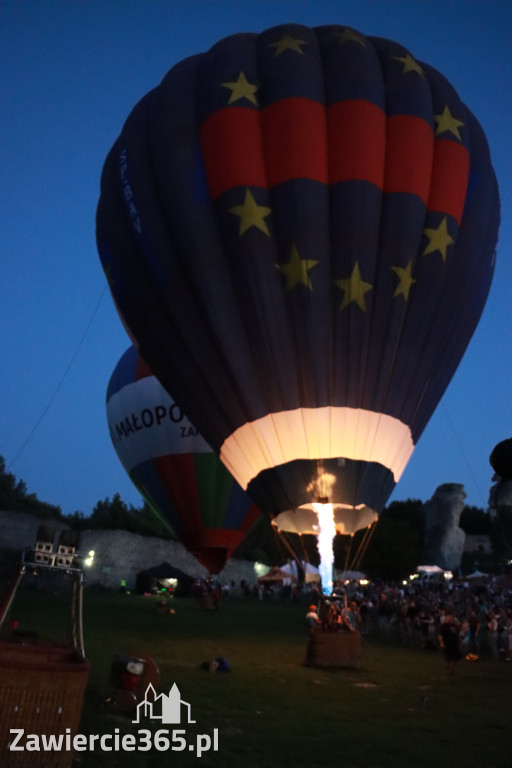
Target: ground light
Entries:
(89, 560)
(260, 569)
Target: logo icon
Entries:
(164, 707)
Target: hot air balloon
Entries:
(173, 467)
(501, 459)
(298, 228)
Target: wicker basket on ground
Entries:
(42, 683)
(334, 649)
(41, 690)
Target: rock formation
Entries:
(443, 539)
(500, 494)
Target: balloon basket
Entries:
(42, 683)
(41, 690)
(207, 602)
(334, 649)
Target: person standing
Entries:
(449, 641)
(473, 631)
(312, 619)
(492, 635)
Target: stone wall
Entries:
(19, 529)
(119, 555)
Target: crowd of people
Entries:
(462, 616)
(473, 617)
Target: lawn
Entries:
(270, 710)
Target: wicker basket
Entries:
(334, 649)
(41, 690)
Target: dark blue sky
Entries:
(72, 71)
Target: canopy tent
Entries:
(349, 575)
(477, 575)
(150, 578)
(276, 575)
(311, 573)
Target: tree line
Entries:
(391, 549)
(107, 514)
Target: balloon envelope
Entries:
(501, 459)
(298, 228)
(173, 467)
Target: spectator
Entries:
(312, 619)
(449, 641)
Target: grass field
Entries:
(271, 711)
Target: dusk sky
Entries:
(73, 70)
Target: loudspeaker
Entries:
(44, 544)
(68, 542)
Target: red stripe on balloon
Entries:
(288, 143)
(177, 474)
(212, 546)
(232, 150)
(294, 140)
(409, 156)
(218, 537)
(142, 370)
(450, 176)
(252, 515)
(356, 137)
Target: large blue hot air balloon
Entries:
(298, 228)
(175, 470)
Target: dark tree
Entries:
(475, 521)
(394, 549)
(14, 497)
(501, 533)
(116, 514)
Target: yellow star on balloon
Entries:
(447, 122)
(354, 289)
(349, 36)
(410, 64)
(296, 270)
(251, 214)
(405, 280)
(288, 43)
(242, 89)
(439, 239)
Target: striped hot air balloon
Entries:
(173, 467)
(298, 228)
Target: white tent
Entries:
(311, 573)
(349, 575)
(476, 575)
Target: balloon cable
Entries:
(358, 554)
(347, 556)
(363, 546)
(62, 380)
(306, 556)
(282, 553)
(463, 453)
(290, 548)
